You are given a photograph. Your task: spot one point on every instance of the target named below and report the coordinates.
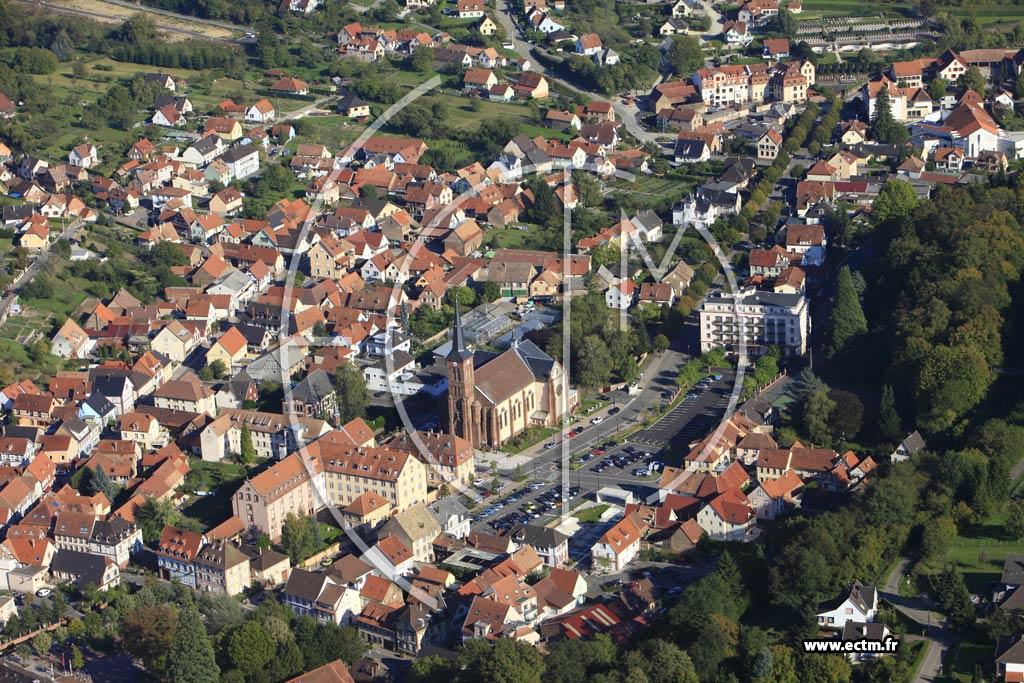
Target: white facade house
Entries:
(621, 295)
(618, 546)
(857, 603)
(243, 160)
(727, 517)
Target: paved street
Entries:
(940, 639)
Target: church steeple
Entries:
(459, 351)
(461, 391)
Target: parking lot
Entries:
(693, 417)
(512, 510)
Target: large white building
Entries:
(765, 318)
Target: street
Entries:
(940, 640)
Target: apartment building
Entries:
(288, 486)
(350, 471)
(273, 435)
(448, 458)
(741, 83)
(221, 567)
(765, 318)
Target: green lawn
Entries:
(220, 478)
(979, 552)
(531, 436)
(974, 648)
(591, 514)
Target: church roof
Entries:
(501, 376)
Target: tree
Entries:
(595, 362)
(785, 23)
(888, 425)
(490, 292)
(605, 254)
(250, 648)
(937, 536)
(660, 343)
(825, 669)
(218, 369)
(846, 418)
(846, 319)
(896, 200)
(77, 660)
(422, 59)
(937, 88)
(1015, 518)
(685, 55)
(816, 411)
(300, 536)
(351, 395)
(153, 515)
(148, 634)
(42, 643)
(974, 80)
(274, 181)
(191, 657)
(247, 452)
(96, 480)
(506, 661)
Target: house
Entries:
(913, 443)
(769, 144)
(736, 33)
(857, 603)
(621, 295)
(260, 112)
(334, 672)
(775, 48)
(291, 86)
(470, 9)
(774, 497)
(322, 596)
(589, 44)
(228, 129)
(487, 27)
(531, 86)
(85, 569)
(242, 160)
(551, 545)
(618, 546)
(479, 79)
(168, 116)
(1010, 658)
(231, 348)
(175, 552)
(728, 517)
(672, 26)
(416, 528)
(71, 341)
(353, 106)
(83, 156)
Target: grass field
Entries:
(978, 553)
(591, 514)
(116, 14)
(221, 478)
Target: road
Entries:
(626, 113)
(33, 269)
(940, 639)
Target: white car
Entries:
(43, 592)
(597, 420)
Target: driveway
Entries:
(940, 639)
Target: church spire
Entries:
(459, 351)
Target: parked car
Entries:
(596, 420)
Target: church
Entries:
(493, 397)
